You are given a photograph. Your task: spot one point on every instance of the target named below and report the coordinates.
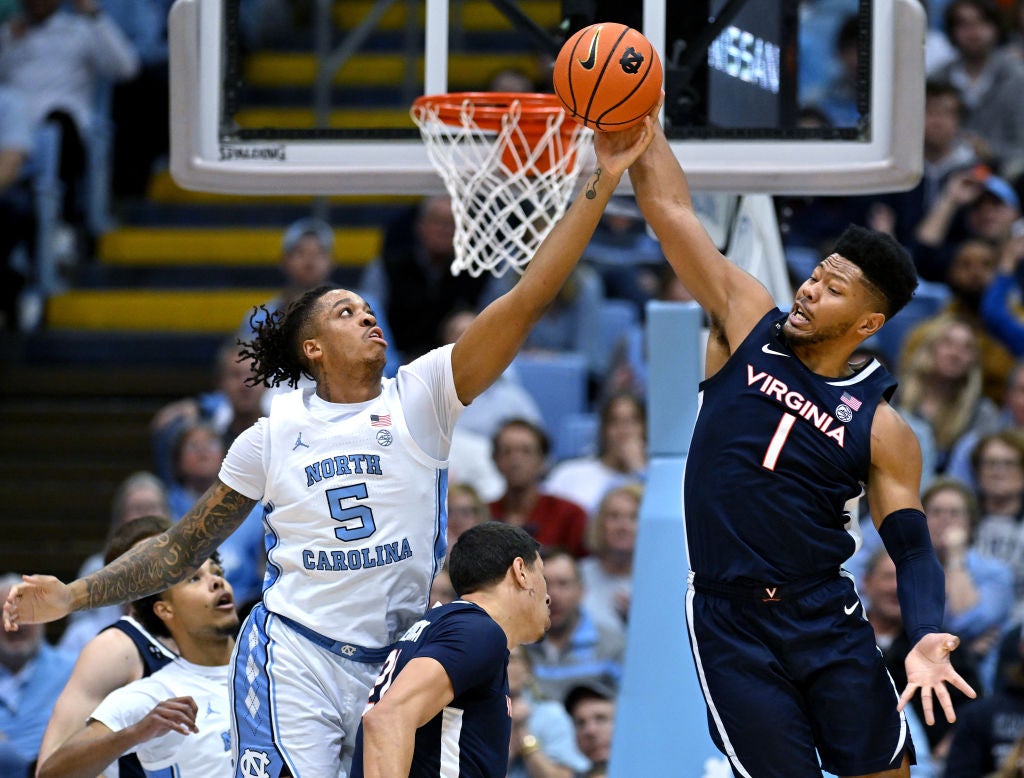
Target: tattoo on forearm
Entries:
(162, 561)
(592, 186)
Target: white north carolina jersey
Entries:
(203, 754)
(356, 501)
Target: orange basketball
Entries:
(608, 76)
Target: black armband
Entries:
(921, 584)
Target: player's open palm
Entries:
(177, 714)
(38, 599)
(929, 669)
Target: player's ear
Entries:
(311, 348)
(163, 610)
(518, 570)
(871, 323)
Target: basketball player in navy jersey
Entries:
(353, 478)
(787, 434)
(441, 703)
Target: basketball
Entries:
(608, 76)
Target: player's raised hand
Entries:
(177, 714)
(38, 599)
(616, 151)
(929, 669)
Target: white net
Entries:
(510, 171)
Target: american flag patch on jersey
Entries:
(385, 421)
(850, 400)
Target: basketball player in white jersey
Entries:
(176, 720)
(353, 479)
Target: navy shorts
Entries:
(791, 676)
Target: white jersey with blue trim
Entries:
(356, 501)
(196, 755)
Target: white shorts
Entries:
(296, 705)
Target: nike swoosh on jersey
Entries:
(591, 60)
(767, 349)
(848, 610)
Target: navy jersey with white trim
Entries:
(777, 452)
(469, 737)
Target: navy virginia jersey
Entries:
(469, 737)
(777, 452)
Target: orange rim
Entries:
(490, 108)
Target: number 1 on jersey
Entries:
(771, 456)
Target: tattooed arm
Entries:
(149, 567)
(492, 340)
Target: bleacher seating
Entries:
(557, 382)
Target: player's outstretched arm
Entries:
(492, 340)
(149, 567)
(733, 298)
(897, 512)
(419, 692)
(107, 662)
(87, 753)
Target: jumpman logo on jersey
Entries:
(299, 442)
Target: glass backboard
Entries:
(778, 96)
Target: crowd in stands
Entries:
(961, 372)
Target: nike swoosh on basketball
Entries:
(591, 60)
(848, 610)
(767, 349)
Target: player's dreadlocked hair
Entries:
(276, 347)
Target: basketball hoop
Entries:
(510, 163)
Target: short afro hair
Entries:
(886, 265)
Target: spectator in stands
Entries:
(412, 280)
(575, 649)
(621, 456)
(505, 399)
(972, 204)
(607, 576)
(1000, 305)
(140, 494)
(839, 99)
(628, 260)
(969, 274)
(521, 451)
(1011, 417)
(197, 455)
(307, 261)
(17, 215)
(232, 407)
(883, 612)
(990, 79)
(32, 673)
(176, 720)
(947, 150)
(140, 105)
(998, 464)
(979, 589)
(592, 708)
(465, 510)
(988, 730)
(56, 59)
(542, 744)
(941, 381)
(122, 652)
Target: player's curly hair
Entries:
(276, 347)
(886, 265)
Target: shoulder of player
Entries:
(111, 657)
(889, 431)
(466, 616)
